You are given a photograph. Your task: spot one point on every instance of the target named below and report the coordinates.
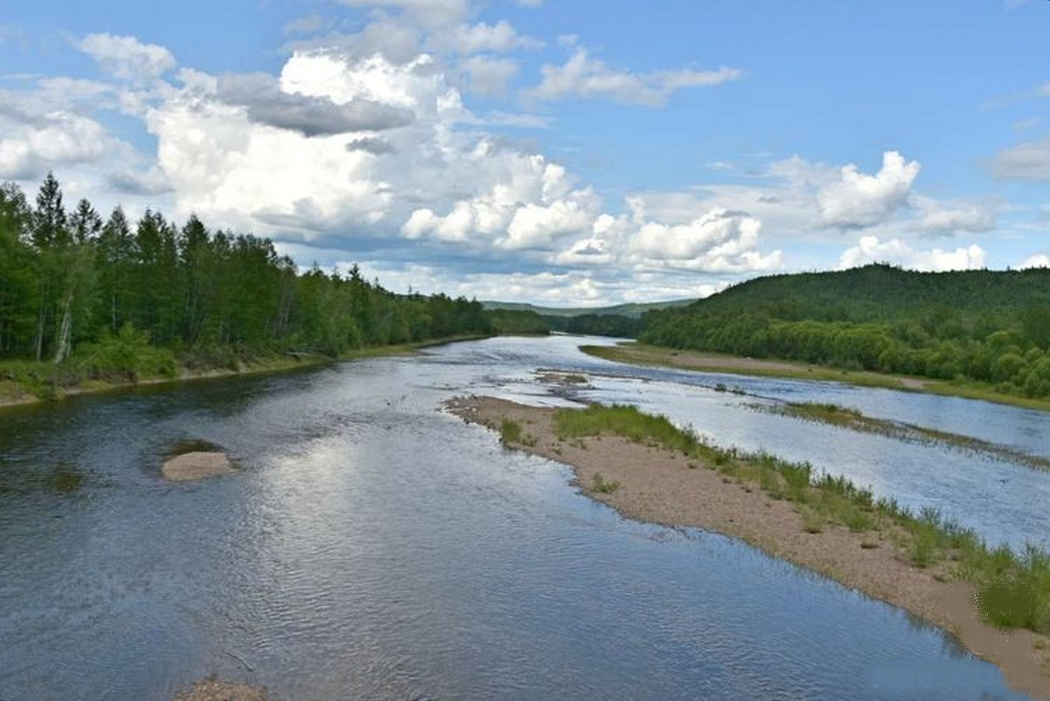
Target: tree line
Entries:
(81, 291)
(986, 326)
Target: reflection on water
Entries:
(374, 547)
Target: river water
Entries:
(374, 547)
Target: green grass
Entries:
(509, 432)
(126, 361)
(1013, 590)
(603, 486)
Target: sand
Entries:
(659, 486)
(195, 466)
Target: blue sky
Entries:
(553, 151)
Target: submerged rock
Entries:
(212, 689)
(196, 465)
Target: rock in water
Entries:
(195, 466)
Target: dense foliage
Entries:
(109, 294)
(981, 325)
(508, 322)
(617, 325)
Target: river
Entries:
(373, 547)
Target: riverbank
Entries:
(14, 393)
(673, 488)
(642, 354)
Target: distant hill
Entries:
(989, 326)
(885, 293)
(631, 310)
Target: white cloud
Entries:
(311, 115)
(946, 217)
(586, 77)
(718, 241)
(126, 57)
(27, 152)
(1027, 161)
(858, 200)
(489, 76)
(539, 226)
(469, 39)
(431, 13)
(870, 249)
(151, 182)
(1038, 260)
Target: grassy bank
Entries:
(642, 354)
(1012, 589)
(28, 382)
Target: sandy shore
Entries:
(660, 487)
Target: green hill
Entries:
(632, 310)
(981, 325)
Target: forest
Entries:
(108, 298)
(983, 326)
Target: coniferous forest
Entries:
(979, 325)
(104, 297)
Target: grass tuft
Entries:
(603, 486)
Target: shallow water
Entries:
(372, 546)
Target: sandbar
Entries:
(659, 486)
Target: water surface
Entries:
(374, 547)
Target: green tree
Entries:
(17, 272)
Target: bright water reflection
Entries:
(374, 547)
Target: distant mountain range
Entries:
(632, 310)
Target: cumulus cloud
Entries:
(126, 57)
(528, 203)
(858, 201)
(260, 94)
(718, 241)
(895, 251)
(1038, 260)
(586, 77)
(1027, 161)
(27, 153)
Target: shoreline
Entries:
(13, 396)
(635, 353)
(658, 486)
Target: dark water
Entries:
(373, 547)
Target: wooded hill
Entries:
(100, 297)
(981, 325)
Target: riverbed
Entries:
(371, 546)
